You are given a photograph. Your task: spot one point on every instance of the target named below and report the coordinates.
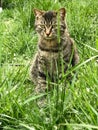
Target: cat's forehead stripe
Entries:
(48, 16)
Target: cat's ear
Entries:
(62, 12)
(38, 12)
(55, 13)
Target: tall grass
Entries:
(73, 109)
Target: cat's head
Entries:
(48, 23)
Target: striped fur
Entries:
(51, 53)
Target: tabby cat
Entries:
(56, 50)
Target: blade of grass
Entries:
(80, 125)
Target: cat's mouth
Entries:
(49, 37)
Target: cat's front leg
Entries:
(42, 71)
(41, 85)
(40, 89)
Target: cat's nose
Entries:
(47, 32)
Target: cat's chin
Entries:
(49, 38)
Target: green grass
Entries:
(73, 109)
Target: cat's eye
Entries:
(37, 17)
(44, 22)
(54, 25)
(51, 27)
(42, 25)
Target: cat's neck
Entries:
(51, 45)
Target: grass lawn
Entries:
(73, 109)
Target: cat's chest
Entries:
(51, 61)
(50, 56)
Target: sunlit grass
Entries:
(76, 108)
